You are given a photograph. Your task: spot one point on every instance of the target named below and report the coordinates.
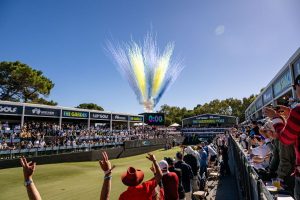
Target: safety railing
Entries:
(53, 150)
(249, 184)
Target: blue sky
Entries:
(231, 48)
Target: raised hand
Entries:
(269, 112)
(105, 163)
(28, 168)
(284, 111)
(151, 157)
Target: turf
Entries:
(81, 180)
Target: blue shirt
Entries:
(203, 158)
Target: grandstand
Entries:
(279, 91)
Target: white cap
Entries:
(163, 165)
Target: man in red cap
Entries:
(132, 178)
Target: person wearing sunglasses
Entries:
(287, 126)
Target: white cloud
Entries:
(220, 30)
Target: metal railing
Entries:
(249, 183)
(54, 150)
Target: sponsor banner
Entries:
(156, 119)
(75, 114)
(267, 96)
(282, 83)
(296, 67)
(259, 103)
(212, 119)
(136, 118)
(252, 109)
(144, 143)
(37, 111)
(209, 121)
(100, 116)
(11, 109)
(119, 117)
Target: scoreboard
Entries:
(155, 119)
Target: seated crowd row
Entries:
(272, 147)
(42, 134)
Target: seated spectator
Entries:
(261, 154)
(243, 140)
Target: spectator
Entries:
(225, 158)
(133, 179)
(28, 170)
(212, 152)
(178, 172)
(286, 166)
(203, 161)
(289, 131)
(187, 175)
(254, 129)
(170, 181)
(261, 154)
(192, 159)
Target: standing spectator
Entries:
(170, 181)
(178, 172)
(225, 158)
(187, 175)
(192, 159)
(203, 161)
(28, 170)
(133, 179)
(286, 166)
(289, 130)
(212, 152)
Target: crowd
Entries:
(173, 179)
(47, 134)
(273, 145)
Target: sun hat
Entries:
(132, 177)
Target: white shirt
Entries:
(211, 150)
(243, 136)
(261, 151)
(36, 143)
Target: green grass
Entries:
(82, 180)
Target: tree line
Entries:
(230, 106)
(21, 83)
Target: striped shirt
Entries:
(289, 132)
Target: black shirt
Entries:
(193, 162)
(180, 187)
(187, 175)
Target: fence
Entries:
(249, 184)
(54, 150)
